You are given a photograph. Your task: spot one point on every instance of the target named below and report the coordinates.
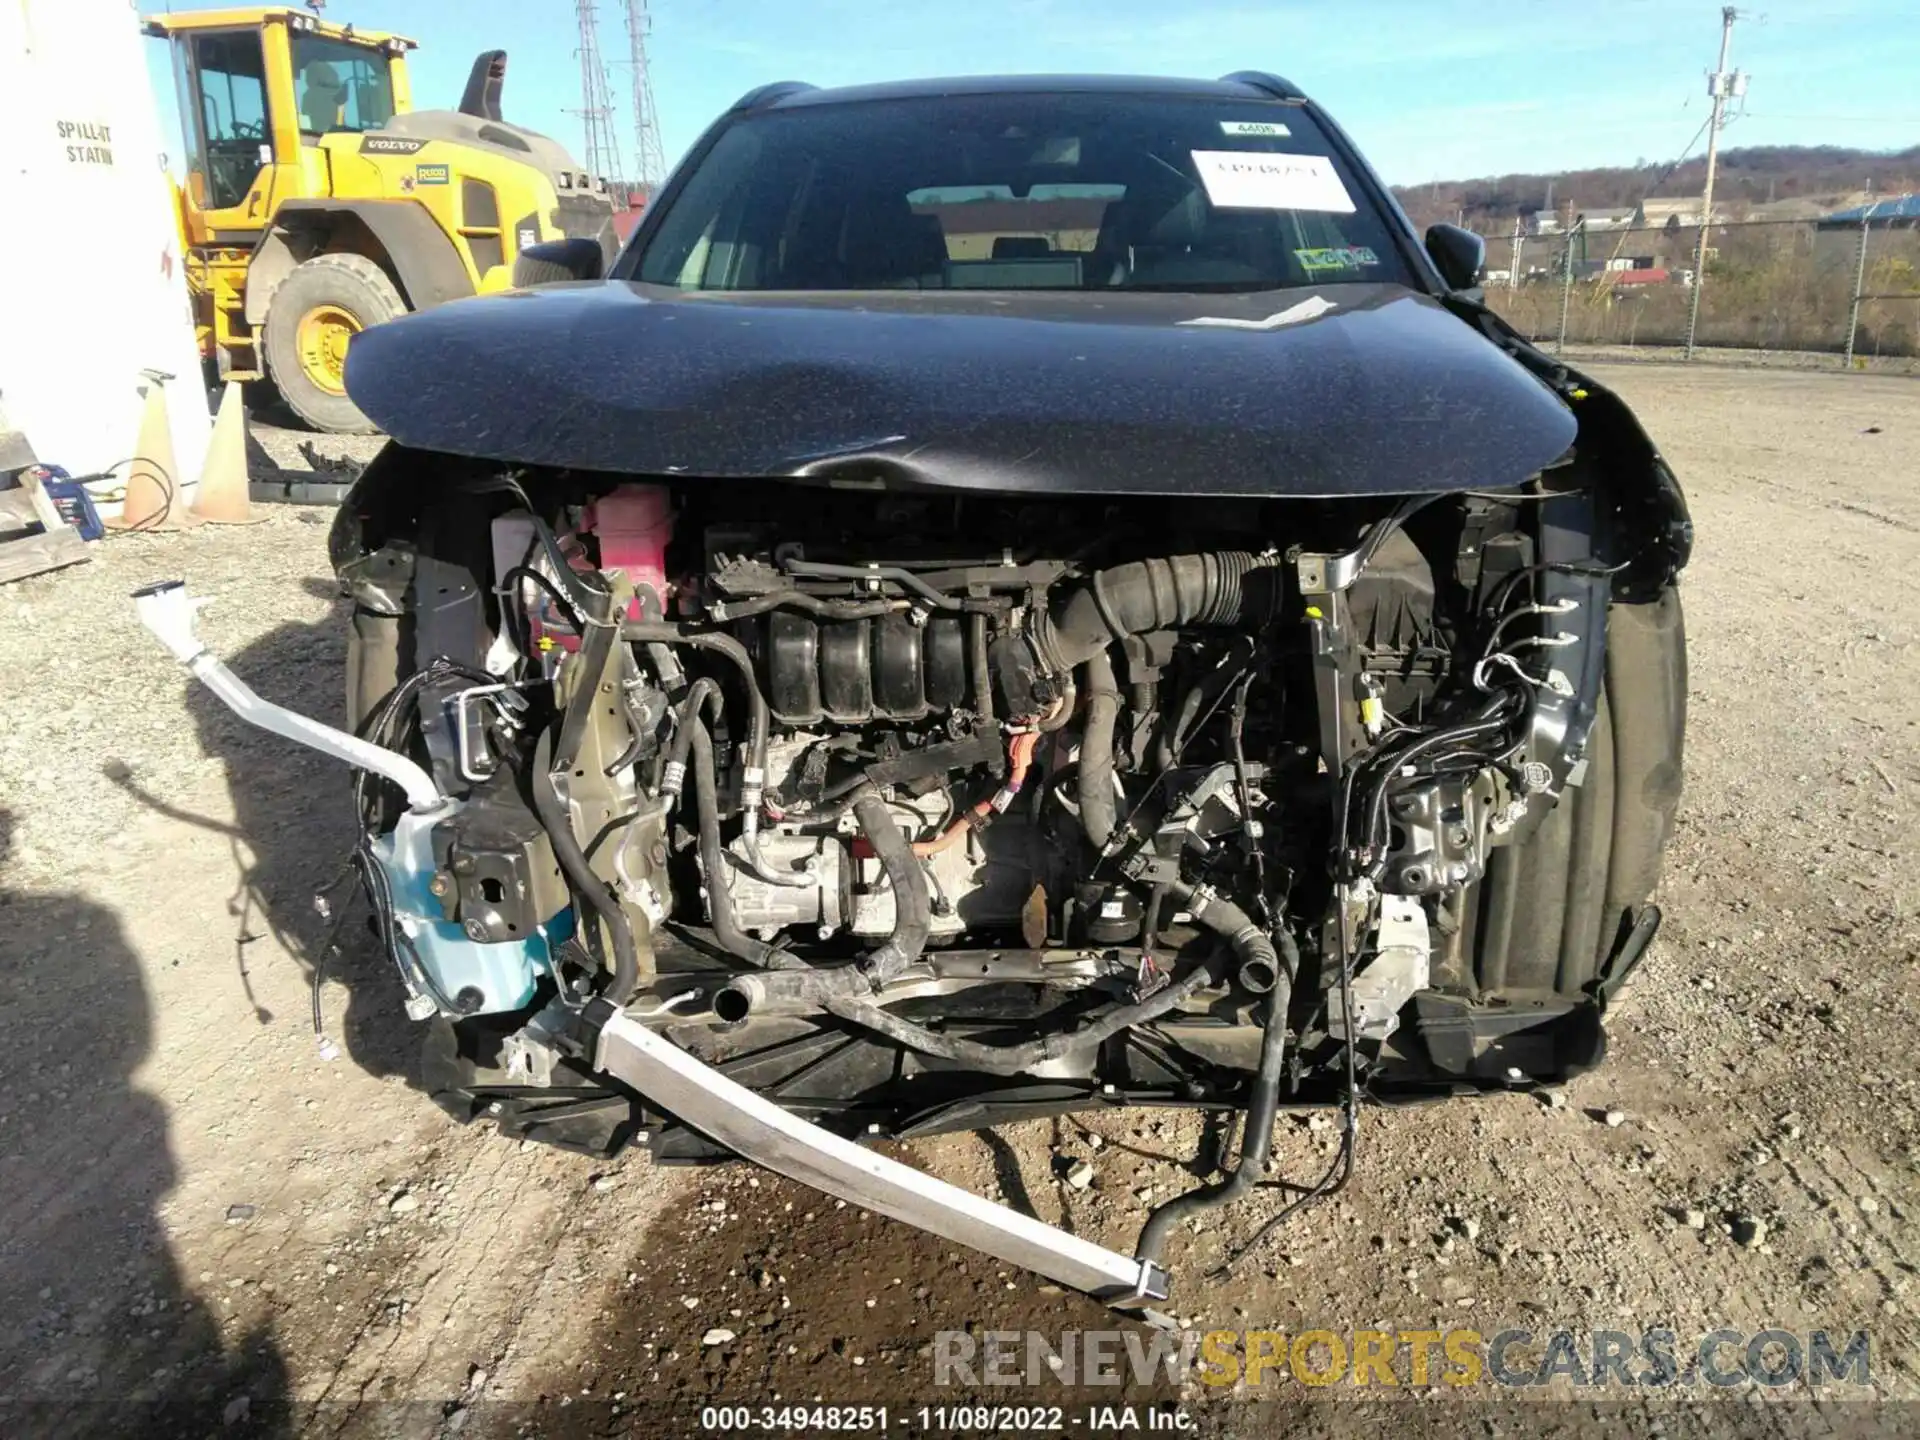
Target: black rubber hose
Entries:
(547, 583)
(557, 820)
(713, 859)
(912, 905)
(1376, 818)
(1378, 533)
(1173, 731)
(1227, 920)
(758, 721)
(982, 676)
(1235, 735)
(666, 668)
(864, 573)
(1097, 808)
(799, 600)
(1263, 1105)
(640, 724)
(1150, 925)
(702, 692)
(1063, 708)
(1222, 588)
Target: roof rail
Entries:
(1260, 80)
(765, 95)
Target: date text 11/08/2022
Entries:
(943, 1419)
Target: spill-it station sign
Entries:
(86, 142)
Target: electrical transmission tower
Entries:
(649, 161)
(596, 100)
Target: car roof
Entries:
(1242, 85)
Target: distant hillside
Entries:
(1749, 176)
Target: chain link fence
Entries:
(1849, 292)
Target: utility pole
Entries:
(1566, 281)
(1513, 273)
(649, 161)
(1720, 84)
(1859, 280)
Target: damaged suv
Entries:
(1008, 596)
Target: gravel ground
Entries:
(1583, 354)
(200, 1204)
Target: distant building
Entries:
(1799, 207)
(1896, 212)
(1683, 211)
(1607, 219)
(1544, 222)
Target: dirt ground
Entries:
(209, 1223)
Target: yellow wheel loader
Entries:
(317, 201)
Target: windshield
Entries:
(338, 85)
(1022, 191)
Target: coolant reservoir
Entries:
(634, 524)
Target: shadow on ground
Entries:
(103, 1336)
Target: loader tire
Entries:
(311, 319)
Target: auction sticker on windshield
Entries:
(1246, 180)
(1332, 259)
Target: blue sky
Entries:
(1430, 89)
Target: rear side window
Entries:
(1022, 191)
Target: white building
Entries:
(97, 291)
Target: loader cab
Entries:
(258, 90)
(317, 202)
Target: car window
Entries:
(1022, 191)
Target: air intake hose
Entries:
(1227, 587)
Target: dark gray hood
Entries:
(1386, 392)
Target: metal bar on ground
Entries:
(759, 1130)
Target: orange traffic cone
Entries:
(153, 475)
(222, 495)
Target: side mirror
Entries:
(1457, 254)
(554, 261)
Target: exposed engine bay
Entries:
(910, 810)
(894, 761)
